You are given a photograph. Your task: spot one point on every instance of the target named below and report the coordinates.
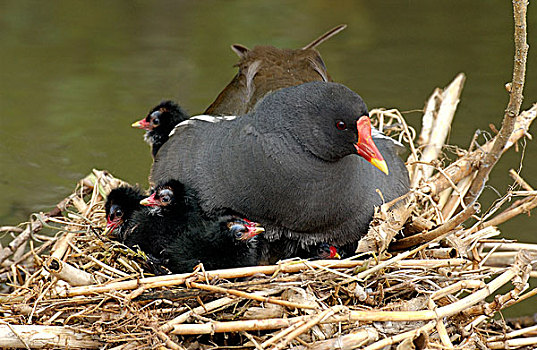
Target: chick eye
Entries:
(156, 121)
(119, 213)
(341, 125)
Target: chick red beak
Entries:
(111, 225)
(142, 124)
(365, 146)
(150, 201)
(253, 230)
(333, 253)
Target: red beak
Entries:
(253, 230)
(333, 253)
(142, 124)
(365, 146)
(150, 201)
(111, 225)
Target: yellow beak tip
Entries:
(381, 165)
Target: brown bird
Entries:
(267, 68)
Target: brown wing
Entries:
(267, 68)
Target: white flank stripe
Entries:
(203, 118)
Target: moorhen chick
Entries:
(220, 242)
(267, 68)
(291, 165)
(170, 229)
(134, 224)
(120, 205)
(159, 122)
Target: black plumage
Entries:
(159, 122)
(215, 243)
(136, 225)
(120, 206)
(171, 229)
(290, 164)
(218, 242)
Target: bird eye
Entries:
(165, 196)
(237, 229)
(119, 213)
(341, 125)
(156, 121)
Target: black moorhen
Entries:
(159, 122)
(221, 242)
(290, 164)
(267, 68)
(326, 251)
(134, 224)
(120, 205)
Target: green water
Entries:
(75, 74)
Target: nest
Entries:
(420, 278)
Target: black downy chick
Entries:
(124, 214)
(218, 242)
(120, 206)
(327, 251)
(159, 122)
(137, 225)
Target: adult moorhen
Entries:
(290, 164)
(159, 122)
(267, 68)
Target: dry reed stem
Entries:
(515, 101)
(457, 199)
(444, 112)
(200, 310)
(284, 332)
(251, 296)
(513, 334)
(521, 264)
(172, 280)
(454, 288)
(524, 207)
(293, 267)
(354, 340)
(444, 229)
(68, 273)
(443, 334)
(308, 325)
(31, 227)
(513, 343)
(98, 262)
(519, 180)
(235, 326)
(400, 337)
(37, 337)
(465, 165)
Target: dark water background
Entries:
(75, 74)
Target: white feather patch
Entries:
(203, 118)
